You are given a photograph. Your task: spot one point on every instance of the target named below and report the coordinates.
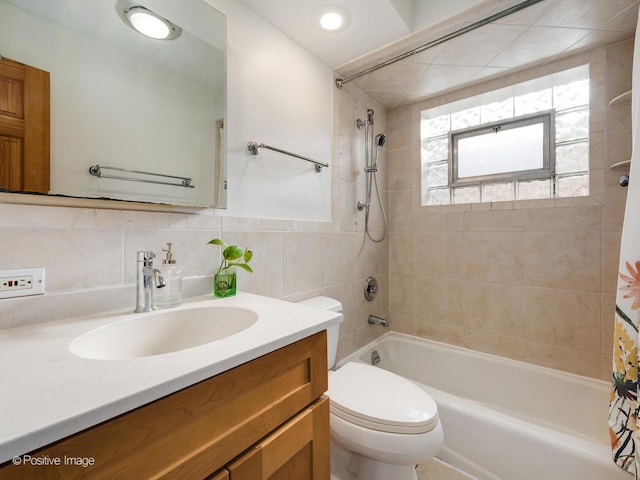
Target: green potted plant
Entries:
(224, 279)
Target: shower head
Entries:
(380, 140)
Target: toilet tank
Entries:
(331, 304)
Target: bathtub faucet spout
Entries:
(373, 320)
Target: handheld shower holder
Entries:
(360, 124)
(371, 146)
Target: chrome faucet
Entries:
(146, 278)
(373, 320)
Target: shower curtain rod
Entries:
(496, 16)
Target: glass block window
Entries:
(465, 159)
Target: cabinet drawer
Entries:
(195, 431)
(299, 450)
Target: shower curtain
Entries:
(624, 425)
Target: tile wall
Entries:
(530, 280)
(89, 254)
(533, 280)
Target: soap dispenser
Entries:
(171, 294)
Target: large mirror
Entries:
(148, 111)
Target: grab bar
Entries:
(96, 171)
(254, 149)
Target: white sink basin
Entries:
(166, 331)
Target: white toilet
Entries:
(384, 423)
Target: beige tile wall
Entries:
(531, 280)
(89, 254)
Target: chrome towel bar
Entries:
(96, 171)
(254, 149)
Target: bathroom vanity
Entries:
(265, 418)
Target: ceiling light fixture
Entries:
(331, 21)
(147, 22)
(332, 18)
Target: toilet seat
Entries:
(374, 398)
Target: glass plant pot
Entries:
(224, 282)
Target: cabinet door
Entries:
(298, 450)
(220, 475)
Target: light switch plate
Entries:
(21, 282)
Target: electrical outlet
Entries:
(20, 282)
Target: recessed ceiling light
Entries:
(332, 18)
(331, 21)
(147, 22)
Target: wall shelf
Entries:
(623, 164)
(622, 98)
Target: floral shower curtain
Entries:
(624, 426)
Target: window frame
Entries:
(546, 118)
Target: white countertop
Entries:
(47, 393)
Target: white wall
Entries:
(280, 95)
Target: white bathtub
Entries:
(504, 419)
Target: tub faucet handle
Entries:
(370, 288)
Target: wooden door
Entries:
(298, 450)
(24, 127)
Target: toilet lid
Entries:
(378, 399)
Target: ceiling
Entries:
(372, 24)
(382, 29)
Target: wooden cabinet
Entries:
(271, 409)
(221, 475)
(297, 450)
